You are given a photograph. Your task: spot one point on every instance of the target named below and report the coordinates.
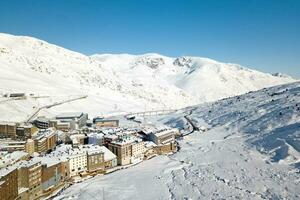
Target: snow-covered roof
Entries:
(95, 135)
(69, 115)
(111, 136)
(108, 155)
(149, 144)
(6, 170)
(12, 157)
(47, 160)
(166, 132)
(43, 134)
(66, 151)
(123, 140)
(28, 163)
(8, 123)
(42, 119)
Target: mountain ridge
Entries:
(118, 82)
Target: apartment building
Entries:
(110, 159)
(30, 178)
(77, 161)
(29, 146)
(95, 159)
(52, 174)
(122, 148)
(138, 149)
(12, 145)
(26, 131)
(65, 126)
(8, 183)
(45, 140)
(162, 137)
(8, 130)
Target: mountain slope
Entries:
(114, 83)
(251, 151)
(203, 78)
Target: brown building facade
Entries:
(8, 130)
(8, 184)
(51, 177)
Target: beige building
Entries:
(122, 148)
(29, 146)
(45, 140)
(162, 137)
(12, 145)
(30, 177)
(78, 139)
(95, 160)
(64, 126)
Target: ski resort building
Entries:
(42, 123)
(162, 137)
(79, 118)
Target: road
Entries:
(191, 123)
(52, 105)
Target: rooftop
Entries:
(11, 158)
(6, 170)
(48, 160)
(43, 134)
(64, 152)
(69, 115)
(125, 139)
(165, 132)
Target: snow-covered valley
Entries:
(250, 151)
(114, 83)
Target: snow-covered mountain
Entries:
(115, 83)
(250, 151)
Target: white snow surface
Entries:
(251, 151)
(114, 83)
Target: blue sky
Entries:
(261, 34)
